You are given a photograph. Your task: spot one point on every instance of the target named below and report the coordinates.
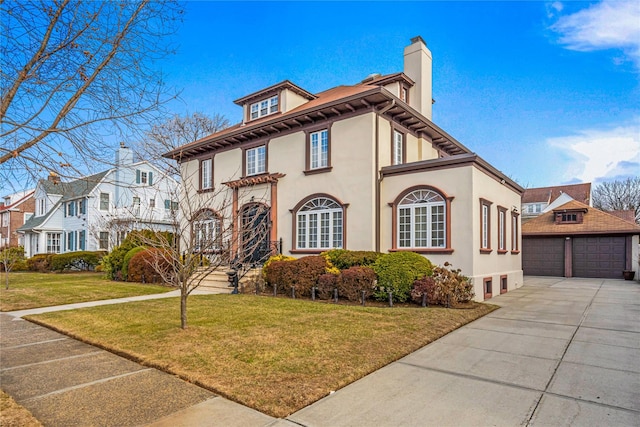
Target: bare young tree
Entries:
(74, 74)
(9, 256)
(175, 132)
(618, 195)
(209, 235)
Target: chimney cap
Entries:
(417, 39)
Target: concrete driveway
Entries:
(560, 352)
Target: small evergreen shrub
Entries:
(343, 258)
(280, 274)
(354, 280)
(79, 260)
(306, 272)
(397, 271)
(326, 284)
(127, 259)
(40, 263)
(149, 266)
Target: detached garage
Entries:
(576, 240)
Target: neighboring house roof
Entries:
(332, 103)
(22, 198)
(36, 221)
(73, 189)
(628, 215)
(579, 192)
(594, 221)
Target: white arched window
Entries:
(421, 220)
(207, 232)
(319, 224)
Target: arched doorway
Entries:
(255, 229)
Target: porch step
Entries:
(217, 280)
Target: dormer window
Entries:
(569, 217)
(264, 107)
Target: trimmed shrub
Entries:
(301, 274)
(280, 274)
(326, 284)
(279, 257)
(127, 259)
(112, 263)
(343, 258)
(40, 263)
(79, 260)
(445, 287)
(397, 271)
(354, 280)
(149, 266)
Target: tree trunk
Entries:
(6, 274)
(183, 310)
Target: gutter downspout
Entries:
(378, 174)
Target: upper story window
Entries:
(421, 220)
(398, 148)
(319, 149)
(569, 217)
(42, 207)
(404, 93)
(104, 201)
(206, 176)
(144, 177)
(256, 160)
(264, 107)
(71, 208)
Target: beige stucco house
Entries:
(361, 167)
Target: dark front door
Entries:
(543, 256)
(255, 233)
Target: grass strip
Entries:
(276, 355)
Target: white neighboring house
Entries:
(95, 212)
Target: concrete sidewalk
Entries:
(561, 352)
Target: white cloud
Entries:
(610, 24)
(600, 155)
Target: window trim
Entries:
(396, 131)
(53, 242)
(487, 290)
(108, 201)
(485, 207)
(502, 230)
(269, 102)
(100, 240)
(217, 230)
(254, 146)
(308, 170)
(294, 224)
(515, 227)
(447, 213)
(201, 164)
(504, 284)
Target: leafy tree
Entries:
(74, 71)
(618, 195)
(8, 258)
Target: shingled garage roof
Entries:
(600, 246)
(333, 103)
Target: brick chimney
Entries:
(54, 177)
(417, 66)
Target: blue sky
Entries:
(548, 92)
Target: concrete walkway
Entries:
(558, 352)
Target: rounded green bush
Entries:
(127, 259)
(397, 271)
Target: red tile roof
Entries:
(579, 192)
(595, 222)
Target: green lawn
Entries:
(276, 355)
(32, 290)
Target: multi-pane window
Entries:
(485, 225)
(104, 201)
(206, 181)
(144, 177)
(53, 243)
(71, 208)
(256, 160)
(514, 232)
(42, 205)
(136, 206)
(103, 240)
(207, 232)
(398, 146)
(264, 107)
(502, 229)
(319, 149)
(421, 220)
(320, 224)
(152, 203)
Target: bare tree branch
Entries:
(618, 196)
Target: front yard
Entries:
(32, 290)
(276, 355)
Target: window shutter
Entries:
(81, 240)
(65, 209)
(150, 178)
(137, 176)
(167, 204)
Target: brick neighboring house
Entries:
(360, 167)
(577, 240)
(15, 210)
(536, 201)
